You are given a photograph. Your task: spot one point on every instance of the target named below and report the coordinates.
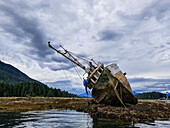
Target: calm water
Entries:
(65, 119)
(167, 101)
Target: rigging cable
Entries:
(82, 57)
(77, 71)
(64, 70)
(72, 54)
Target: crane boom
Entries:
(72, 59)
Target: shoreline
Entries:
(144, 111)
(23, 104)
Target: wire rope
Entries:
(82, 57)
(77, 71)
(64, 71)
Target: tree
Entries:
(150, 95)
(31, 88)
(50, 93)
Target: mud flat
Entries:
(144, 111)
(16, 104)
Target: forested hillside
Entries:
(15, 83)
(10, 74)
(151, 95)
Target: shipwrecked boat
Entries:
(108, 84)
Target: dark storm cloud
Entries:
(60, 67)
(59, 59)
(109, 35)
(24, 28)
(29, 32)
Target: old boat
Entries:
(108, 84)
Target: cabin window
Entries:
(113, 68)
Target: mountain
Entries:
(150, 95)
(10, 74)
(13, 82)
(85, 95)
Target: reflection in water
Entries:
(109, 123)
(8, 119)
(47, 119)
(64, 119)
(167, 101)
(156, 124)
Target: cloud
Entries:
(150, 85)
(109, 35)
(54, 66)
(67, 86)
(134, 34)
(26, 29)
(138, 80)
(158, 9)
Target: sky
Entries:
(134, 34)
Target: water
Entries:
(167, 101)
(65, 119)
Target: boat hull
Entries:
(113, 89)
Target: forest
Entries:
(30, 89)
(151, 95)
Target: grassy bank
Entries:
(21, 104)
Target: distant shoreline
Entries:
(144, 111)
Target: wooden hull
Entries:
(113, 89)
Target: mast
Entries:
(68, 56)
